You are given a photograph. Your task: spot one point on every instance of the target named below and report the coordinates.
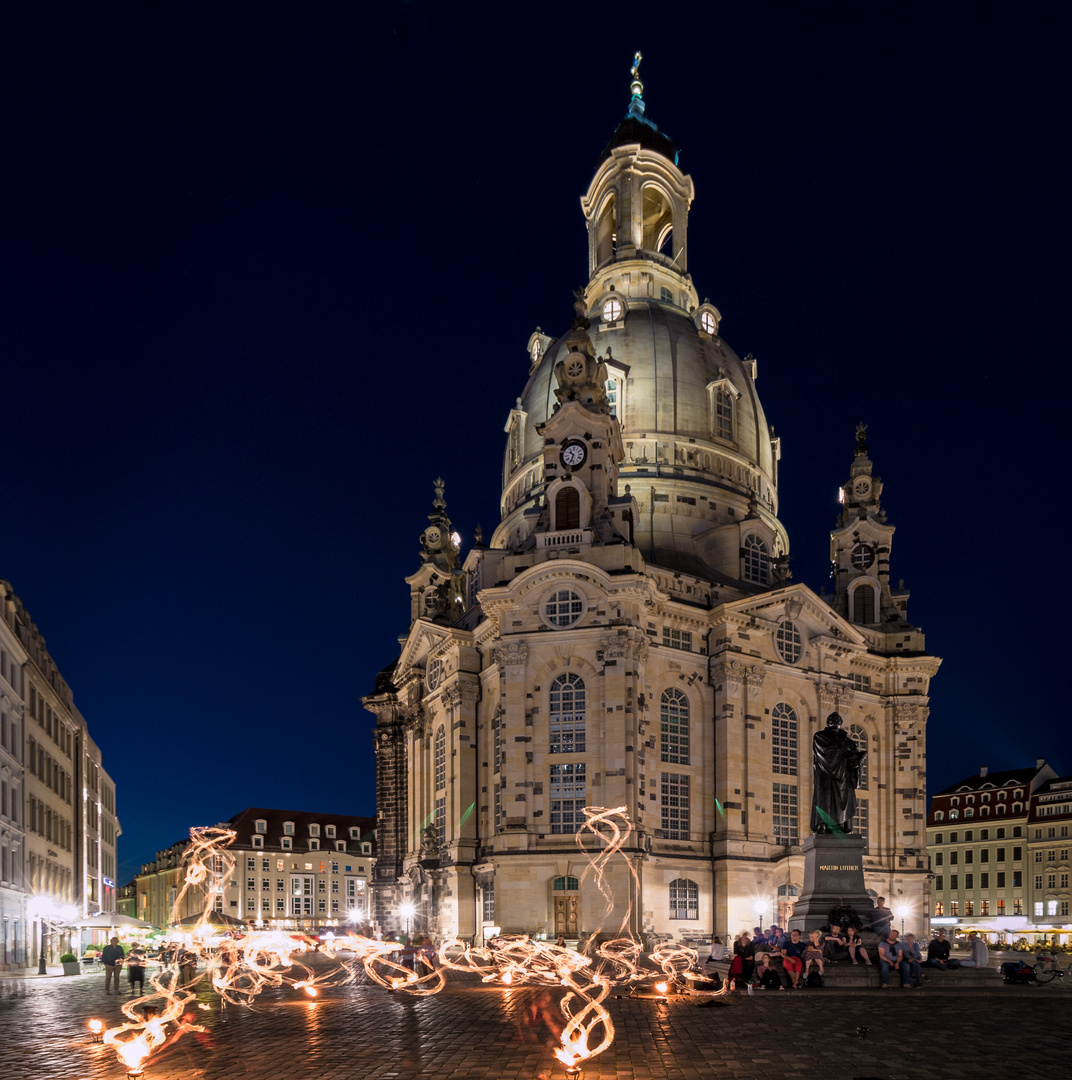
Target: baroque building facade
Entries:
(286, 870)
(630, 634)
(999, 846)
(59, 821)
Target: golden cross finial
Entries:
(637, 87)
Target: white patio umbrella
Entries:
(112, 920)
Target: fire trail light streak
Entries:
(241, 968)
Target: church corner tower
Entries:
(630, 634)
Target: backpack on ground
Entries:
(1016, 971)
(814, 981)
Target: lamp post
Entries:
(901, 911)
(44, 945)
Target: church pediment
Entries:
(813, 615)
(424, 641)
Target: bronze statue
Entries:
(836, 766)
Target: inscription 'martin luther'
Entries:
(834, 866)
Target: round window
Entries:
(863, 555)
(707, 321)
(563, 608)
(789, 642)
(612, 310)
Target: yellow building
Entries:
(630, 635)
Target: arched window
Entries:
(938, 815)
(953, 815)
(969, 812)
(784, 740)
(788, 640)
(565, 884)
(756, 560)
(863, 605)
(658, 219)
(684, 899)
(606, 232)
(674, 725)
(568, 508)
(563, 607)
(440, 757)
(722, 426)
(859, 736)
(566, 720)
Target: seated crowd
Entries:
(780, 960)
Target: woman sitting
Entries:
(813, 954)
(744, 960)
(855, 945)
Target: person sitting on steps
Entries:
(854, 945)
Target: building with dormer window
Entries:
(292, 870)
(630, 634)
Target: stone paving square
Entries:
(480, 1033)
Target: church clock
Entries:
(574, 454)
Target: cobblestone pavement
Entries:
(473, 1033)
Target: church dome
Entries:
(699, 456)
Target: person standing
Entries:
(136, 970)
(112, 959)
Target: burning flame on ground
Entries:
(240, 969)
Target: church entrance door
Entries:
(566, 915)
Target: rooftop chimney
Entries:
(983, 771)
(1039, 762)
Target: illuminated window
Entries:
(784, 813)
(674, 725)
(707, 322)
(567, 794)
(789, 642)
(722, 428)
(859, 820)
(441, 821)
(614, 389)
(784, 740)
(488, 902)
(612, 310)
(674, 790)
(756, 560)
(441, 757)
(677, 639)
(566, 715)
(564, 607)
(939, 908)
(684, 899)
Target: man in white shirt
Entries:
(979, 956)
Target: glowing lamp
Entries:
(662, 987)
(96, 1028)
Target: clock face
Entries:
(573, 455)
(612, 310)
(431, 536)
(861, 487)
(863, 555)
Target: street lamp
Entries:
(407, 912)
(901, 910)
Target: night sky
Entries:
(269, 269)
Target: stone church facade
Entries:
(630, 634)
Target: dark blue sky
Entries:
(268, 270)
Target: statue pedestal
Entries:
(833, 877)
